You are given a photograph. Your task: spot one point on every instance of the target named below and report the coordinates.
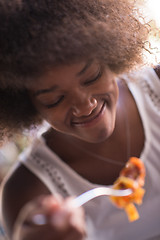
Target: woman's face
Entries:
(78, 99)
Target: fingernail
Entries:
(39, 219)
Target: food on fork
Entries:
(131, 176)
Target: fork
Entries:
(40, 219)
(99, 191)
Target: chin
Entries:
(102, 136)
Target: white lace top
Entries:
(105, 221)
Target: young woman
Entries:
(64, 62)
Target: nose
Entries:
(84, 106)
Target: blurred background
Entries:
(152, 15)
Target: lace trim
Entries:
(155, 99)
(52, 173)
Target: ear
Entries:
(157, 70)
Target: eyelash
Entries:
(56, 103)
(94, 79)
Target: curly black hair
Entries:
(37, 35)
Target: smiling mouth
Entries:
(89, 121)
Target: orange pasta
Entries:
(131, 176)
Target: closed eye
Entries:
(54, 104)
(92, 80)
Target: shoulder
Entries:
(157, 70)
(20, 187)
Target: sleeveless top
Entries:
(104, 220)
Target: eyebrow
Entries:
(47, 90)
(84, 69)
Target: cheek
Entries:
(116, 90)
(56, 118)
(51, 117)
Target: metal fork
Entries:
(99, 191)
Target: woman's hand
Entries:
(50, 218)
